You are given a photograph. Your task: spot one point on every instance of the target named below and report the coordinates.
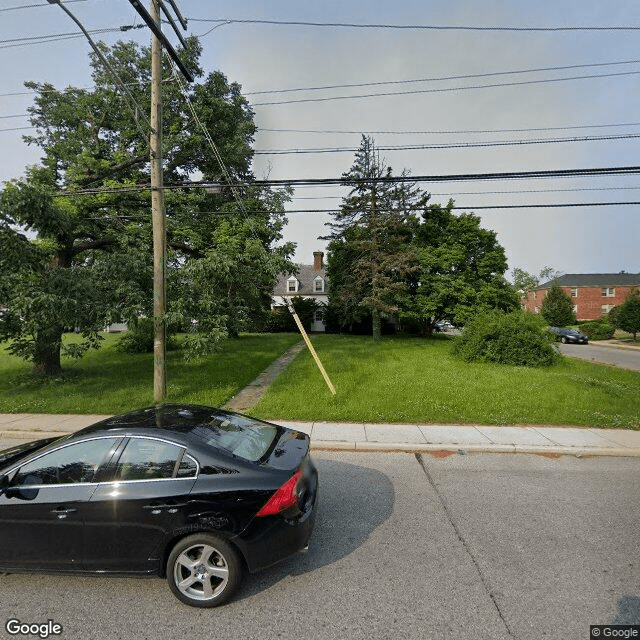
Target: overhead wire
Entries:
(443, 78)
(452, 145)
(33, 6)
(418, 27)
(492, 85)
(29, 40)
(315, 182)
(450, 131)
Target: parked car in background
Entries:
(569, 335)
(191, 493)
(443, 325)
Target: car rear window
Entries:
(240, 435)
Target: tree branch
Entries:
(132, 162)
(102, 243)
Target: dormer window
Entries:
(292, 285)
(318, 285)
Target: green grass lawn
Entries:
(107, 381)
(417, 381)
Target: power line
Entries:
(484, 193)
(451, 131)
(469, 177)
(447, 89)
(29, 40)
(16, 129)
(419, 27)
(554, 205)
(452, 145)
(33, 6)
(141, 83)
(442, 78)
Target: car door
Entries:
(42, 508)
(131, 516)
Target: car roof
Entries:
(177, 422)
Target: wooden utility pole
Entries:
(158, 216)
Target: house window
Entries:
(292, 285)
(608, 292)
(605, 308)
(574, 292)
(536, 310)
(318, 316)
(318, 285)
(575, 309)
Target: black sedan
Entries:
(569, 335)
(192, 493)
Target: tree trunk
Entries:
(377, 324)
(46, 356)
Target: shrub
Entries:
(517, 338)
(597, 329)
(140, 336)
(628, 316)
(280, 319)
(557, 307)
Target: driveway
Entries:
(624, 358)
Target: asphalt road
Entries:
(625, 358)
(464, 547)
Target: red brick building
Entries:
(593, 294)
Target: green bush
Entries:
(140, 336)
(280, 320)
(597, 329)
(518, 338)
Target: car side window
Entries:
(145, 459)
(187, 467)
(76, 463)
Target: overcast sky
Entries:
(269, 57)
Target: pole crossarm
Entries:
(157, 31)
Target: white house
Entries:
(309, 281)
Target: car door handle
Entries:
(157, 508)
(63, 512)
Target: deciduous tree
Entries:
(80, 222)
(627, 317)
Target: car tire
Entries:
(563, 340)
(204, 570)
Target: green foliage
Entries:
(612, 316)
(628, 315)
(281, 320)
(392, 253)
(557, 307)
(370, 254)
(139, 337)
(460, 270)
(597, 329)
(517, 338)
(92, 259)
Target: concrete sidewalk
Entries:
(438, 439)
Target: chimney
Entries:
(318, 264)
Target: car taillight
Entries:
(284, 498)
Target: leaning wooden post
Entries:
(313, 351)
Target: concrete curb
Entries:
(449, 449)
